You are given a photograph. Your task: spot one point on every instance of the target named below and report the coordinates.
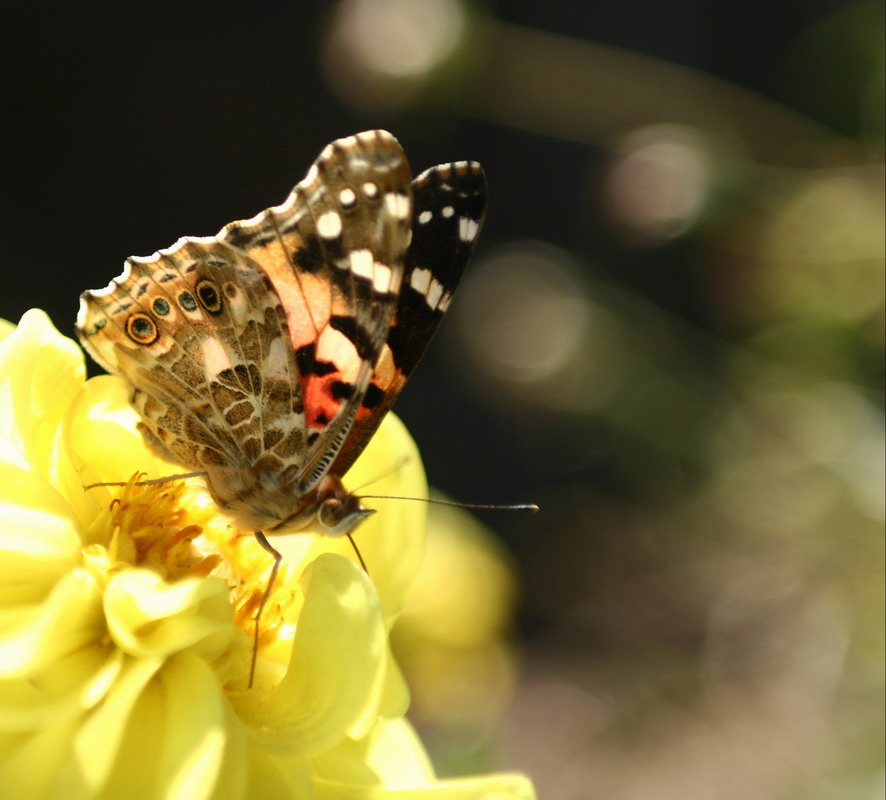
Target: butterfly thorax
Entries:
(254, 504)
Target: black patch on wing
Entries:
(309, 256)
(243, 239)
(358, 335)
(306, 358)
(374, 395)
(438, 247)
(341, 390)
(241, 378)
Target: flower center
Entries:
(174, 529)
(150, 527)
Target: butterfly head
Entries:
(329, 510)
(338, 511)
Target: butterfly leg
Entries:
(357, 551)
(278, 557)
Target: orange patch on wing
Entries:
(321, 405)
(322, 402)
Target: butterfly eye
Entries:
(331, 513)
(160, 307)
(142, 329)
(209, 296)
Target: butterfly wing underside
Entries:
(250, 352)
(344, 249)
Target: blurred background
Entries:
(671, 338)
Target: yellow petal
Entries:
(6, 327)
(194, 738)
(39, 539)
(103, 433)
(489, 787)
(275, 778)
(29, 764)
(390, 753)
(66, 622)
(336, 673)
(147, 616)
(396, 697)
(394, 538)
(40, 372)
(120, 736)
(391, 763)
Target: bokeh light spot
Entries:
(526, 313)
(379, 51)
(658, 186)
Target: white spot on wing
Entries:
(420, 280)
(425, 217)
(370, 189)
(215, 357)
(447, 211)
(347, 197)
(361, 263)
(118, 281)
(435, 293)
(397, 205)
(381, 281)
(467, 229)
(329, 225)
(179, 244)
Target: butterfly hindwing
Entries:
(191, 328)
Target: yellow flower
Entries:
(126, 617)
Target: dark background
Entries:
(129, 125)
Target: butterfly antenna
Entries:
(381, 476)
(278, 557)
(527, 508)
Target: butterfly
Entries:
(266, 356)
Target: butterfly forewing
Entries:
(336, 259)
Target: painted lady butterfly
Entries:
(266, 356)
